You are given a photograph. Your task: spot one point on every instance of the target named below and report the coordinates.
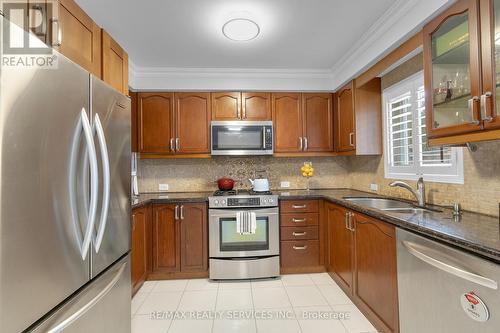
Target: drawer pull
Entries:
(299, 206)
(299, 220)
(300, 247)
(297, 234)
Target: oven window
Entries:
(231, 240)
(237, 137)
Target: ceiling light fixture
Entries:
(240, 29)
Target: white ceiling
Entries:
(295, 34)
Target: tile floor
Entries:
(294, 303)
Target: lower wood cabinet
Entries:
(140, 247)
(376, 273)
(180, 241)
(361, 258)
(301, 245)
(340, 246)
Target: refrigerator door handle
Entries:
(84, 309)
(106, 182)
(94, 179)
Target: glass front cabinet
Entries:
(461, 53)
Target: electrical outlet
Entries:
(285, 184)
(374, 187)
(163, 187)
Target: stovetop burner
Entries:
(220, 193)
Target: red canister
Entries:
(225, 184)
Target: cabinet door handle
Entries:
(297, 234)
(301, 143)
(346, 220)
(298, 220)
(177, 144)
(300, 247)
(176, 215)
(351, 222)
(238, 115)
(172, 144)
(485, 99)
(299, 206)
(472, 108)
(244, 110)
(182, 212)
(351, 139)
(56, 33)
(306, 144)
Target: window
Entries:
(407, 155)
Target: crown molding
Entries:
(171, 78)
(403, 19)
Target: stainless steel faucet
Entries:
(419, 193)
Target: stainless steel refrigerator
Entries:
(64, 201)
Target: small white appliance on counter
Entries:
(243, 235)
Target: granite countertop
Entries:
(474, 232)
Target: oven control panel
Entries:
(248, 201)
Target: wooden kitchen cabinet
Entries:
(114, 64)
(318, 122)
(192, 115)
(155, 122)
(302, 122)
(302, 236)
(226, 106)
(287, 120)
(358, 118)
(77, 36)
(248, 106)
(376, 272)
(134, 130)
(345, 129)
(194, 238)
(140, 247)
(340, 247)
(174, 124)
(460, 69)
(166, 239)
(180, 241)
(256, 106)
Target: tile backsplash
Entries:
(479, 193)
(202, 174)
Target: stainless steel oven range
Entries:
(243, 235)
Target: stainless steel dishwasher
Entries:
(442, 289)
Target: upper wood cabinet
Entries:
(173, 124)
(241, 106)
(358, 118)
(77, 36)
(114, 64)
(134, 145)
(376, 273)
(461, 74)
(345, 129)
(288, 124)
(155, 123)
(226, 106)
(256, 106)
(302, 122)
(192, 117)
(318, 122)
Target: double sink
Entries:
(388, 205)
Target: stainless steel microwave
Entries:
(242, 137)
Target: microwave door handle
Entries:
(264, 137)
